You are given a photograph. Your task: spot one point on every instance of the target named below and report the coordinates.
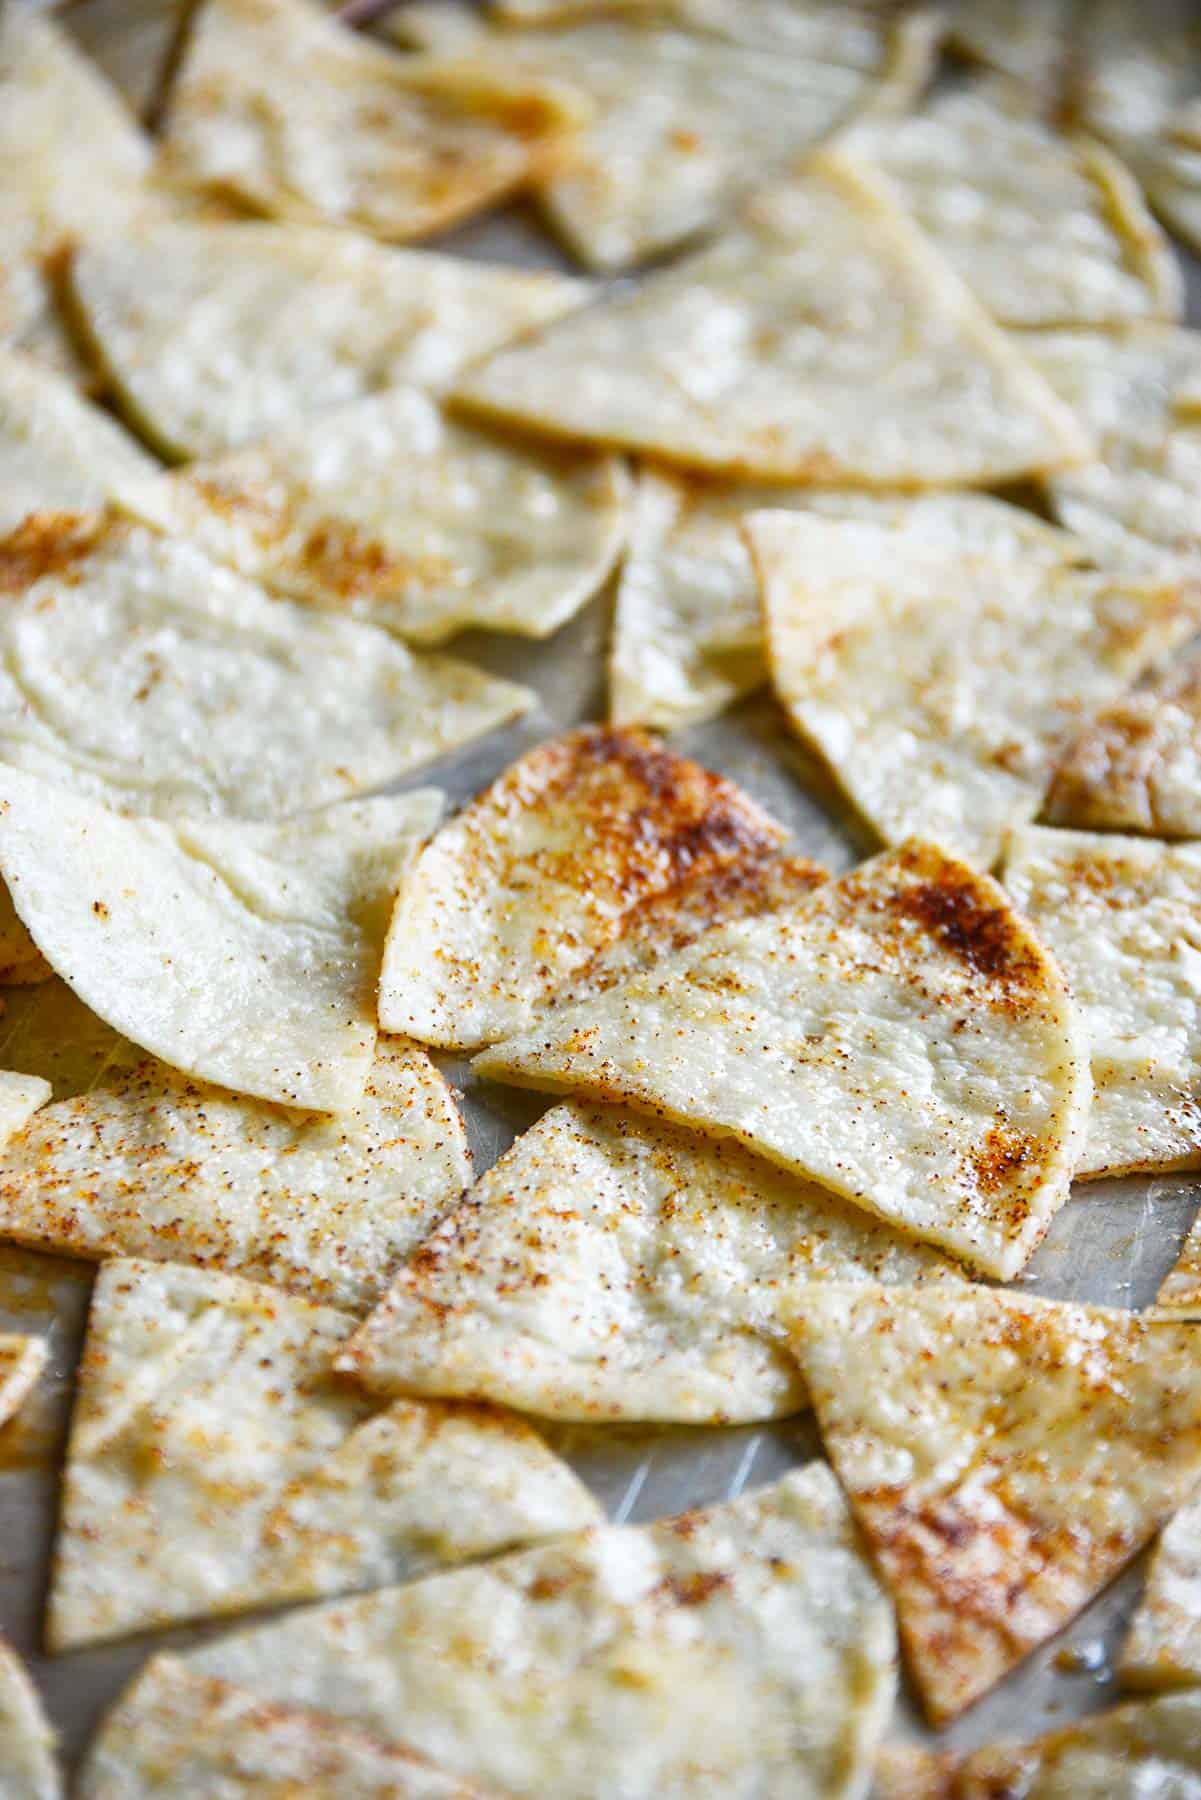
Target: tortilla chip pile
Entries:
(894, 413)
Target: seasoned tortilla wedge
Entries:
(58, 453)
(821, 339)
(899, 1036)
(26, 1739)
(1004, 1457)
(226, 1469)
(742, 1650)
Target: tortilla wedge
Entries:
(211, 338)
(607, 1268)
(743, 1650)
(283, 107)
(206, 1418)
(899, 1037)
(1004, 1458)
(1123, 917)
(688, 629)
(147, 1163)
(199, 1737)
(940, 684)
(390, 511)
(136, 670)
(246, 955)
(26, 1739)
(592, 837)
(821, 339)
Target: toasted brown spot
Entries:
(984, 936)
(46, 543)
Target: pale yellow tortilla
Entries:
(27, 1758)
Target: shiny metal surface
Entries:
(1113, 1242)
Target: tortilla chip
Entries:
(137, 671)
(1139, 499)
(1163, 1647)
(1123, 917)
(941, 684)
(688, 631)
(742, 1650)
(283, 107)
(193, 1737)
(22, 1359)
(686, 120)
(821, 339)
(1136, 766)
(898, 1036)
(513, 898)
(71, 160)
(217, 335)
(26, 1740)
(1044, 230)
(20, 1097)
(606, 1268)
(388, 510)
(246, 955)
(1004, 1457)
(57, 453)
(226, 1469)
(1027, 39)
(148, 1163)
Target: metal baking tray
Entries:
(1112, 1244)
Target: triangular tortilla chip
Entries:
(1136, 766)
(608, 1268)
(225, 1468)
(26, 1740)
(1163, 1647)
(899, 1036)
(148, 1163)
(582, 838)
(137, 671)
(1179, 1293)
(685, 120)
(688, 629)
(1123, 918)
(216, 335)
(821, 339)
(1147, 1750)
(391, 511)
(743, 1650)
(940, 684)
(192, 1737)
(71, 160)
(244, 954)
(285, 108)
(57, 453)
(1139, 498)
(22, 1360)
(1004, 1457)
(1045, 231)
(20, 1097)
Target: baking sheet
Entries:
(1113, 1243)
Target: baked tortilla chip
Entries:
(225, 1468)
(688, 629)
(1163, 1647)
(584, 838)
(940, 684)
(389, 510)
(57, 453)
(137, 671)
(608, 1268)
(686, 120)
(743, 1650)
(20, 1097)
(898, 1036)
(1180, 1290)
(822, 339)
(213, 336)
(283, 107)
(71, 160)
(190, 1737)
(148, 1163)
(26, 1740)
(1004, 1457)
(22, 1359)
(1123, 918)
(246, 955)
(1136, 766)
(1139, 499)
(1044, 230)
